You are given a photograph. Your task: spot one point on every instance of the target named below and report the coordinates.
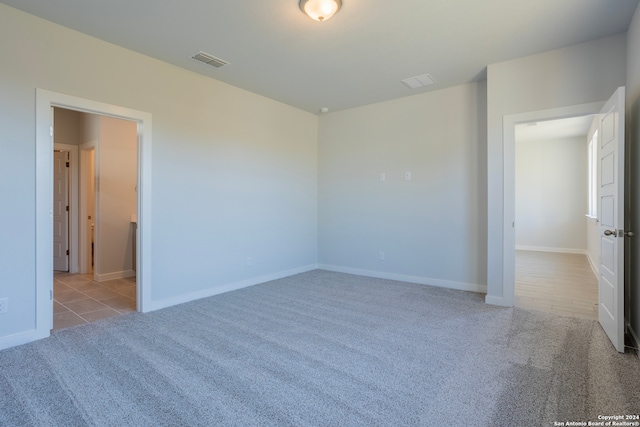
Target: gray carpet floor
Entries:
(322, 349)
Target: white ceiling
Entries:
(358, 57)
(554, 129)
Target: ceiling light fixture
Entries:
(320, 10)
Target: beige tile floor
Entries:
(556, 282)
(77, 299)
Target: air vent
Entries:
(419, 81)
(209, 59)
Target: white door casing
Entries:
(45, 100)
(507, 265)
(61, 210)
(87, 204)
(611, 216)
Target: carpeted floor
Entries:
(322, 349)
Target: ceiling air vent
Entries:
(209, 59)
(419, 81)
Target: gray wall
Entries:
(234, 174)
(633, 166)
(430, 228)
(579, 74)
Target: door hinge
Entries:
(67, 208)
(50, 294)
(50, 130)
(67, 251)
(67, 164)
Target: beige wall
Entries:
(117, 198)
(67, 125)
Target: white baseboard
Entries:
(499, 301)
(21, 338)
(549, 249)
(471, 287)
(593, 265)
(228, 287)
(114, 275)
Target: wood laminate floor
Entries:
(556, 282)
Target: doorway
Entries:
(45, 100)
(508, 206)
(610, 161)
(108, 155)
(555, 261)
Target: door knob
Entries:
(610, 233)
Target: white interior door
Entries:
(611, 215)
(60, 211)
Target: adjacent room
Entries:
(556, 217)
(299, 213)
(95, 217)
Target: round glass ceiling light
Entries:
(320, 10)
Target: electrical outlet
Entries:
(407, 176)
(4, 307)
(383, 177)
(381, 256)
(249, 261)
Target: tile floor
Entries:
(556, 282)
(77, 299)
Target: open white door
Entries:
(611, 216)
(61, 210)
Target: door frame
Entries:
(508, 190)
(46, 99)
(84, 245)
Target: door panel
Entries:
(608, 170)
(607, 255)
(611, 215)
